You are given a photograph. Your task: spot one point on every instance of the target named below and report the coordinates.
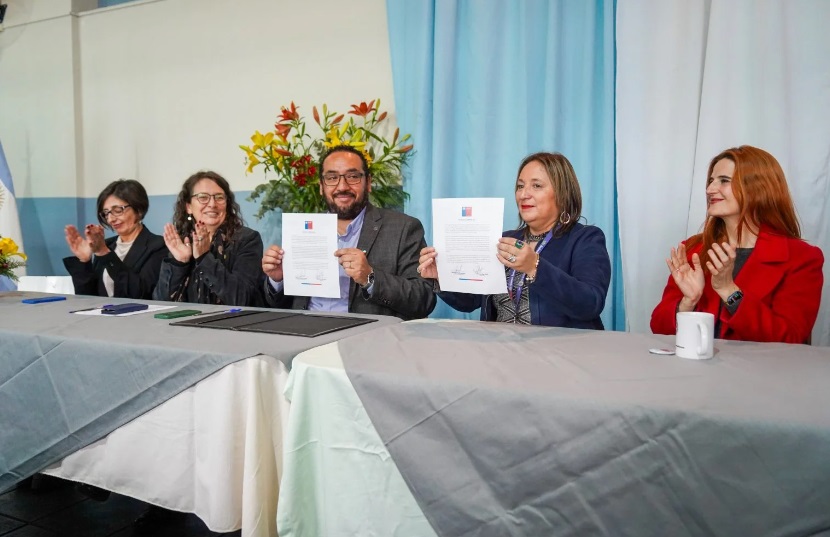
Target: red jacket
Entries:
(781, 282)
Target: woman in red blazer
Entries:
(749, 267)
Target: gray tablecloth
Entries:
(67, 380)
(504, 430)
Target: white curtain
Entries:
(695, 77)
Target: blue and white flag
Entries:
(9, 219)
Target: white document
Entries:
(309, 266)
(466, 233)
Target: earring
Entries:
(189, 217)
(567, 218)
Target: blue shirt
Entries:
(349, 240)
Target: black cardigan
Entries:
(230, 273)
(135, 277)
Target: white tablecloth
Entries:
(338, 479)
(214, 450)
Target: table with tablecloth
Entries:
(185, 418)
(474, 429)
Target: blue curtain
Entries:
(482, 83)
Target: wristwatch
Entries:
(369, 281)
(734, 298)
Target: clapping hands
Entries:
(184, 249)
(91, 242)
(688, 277)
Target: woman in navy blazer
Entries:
(126, 265)
(557, 269)
(749, 268)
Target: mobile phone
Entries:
(176, 314)
(42, 299)
(118, 309)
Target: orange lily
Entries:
(363, 109)
(289, 114)
(283, 130)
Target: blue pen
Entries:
(234, 310)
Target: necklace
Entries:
(535, 238)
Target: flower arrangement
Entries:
(292, 153)
(8, 252)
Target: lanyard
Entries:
(517, 295)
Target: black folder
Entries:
(275, 322)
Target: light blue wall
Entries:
(108, 3)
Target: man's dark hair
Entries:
(346, 149)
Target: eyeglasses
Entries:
(115, 210)
(352, 178)
(204, 198)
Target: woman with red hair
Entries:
(749, 267)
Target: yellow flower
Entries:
(261, 140)
(290, 154)
(252, 162)
(8, 247)
(335, 137)
(332, 138)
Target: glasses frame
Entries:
(105, 214)
(210, 196)
(327, 182)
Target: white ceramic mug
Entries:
(695, 335)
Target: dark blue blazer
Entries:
(571, 282)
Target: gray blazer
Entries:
(393, 243)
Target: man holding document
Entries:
(377, 251)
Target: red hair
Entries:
(760, 188)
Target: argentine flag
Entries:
(9, 220)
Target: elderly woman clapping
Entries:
(126, 265)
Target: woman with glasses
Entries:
(557, 269)
(214, 258)
(126, 265)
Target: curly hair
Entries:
(233, 219)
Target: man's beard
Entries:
(350, 212)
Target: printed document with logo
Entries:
(309, 266)
(466, 233)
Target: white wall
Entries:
(37, 97)
(158, 89)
